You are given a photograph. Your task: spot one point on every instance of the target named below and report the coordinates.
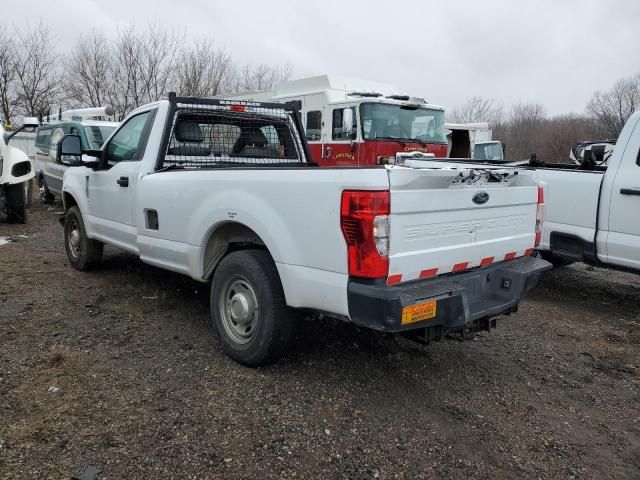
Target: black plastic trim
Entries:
(21, 168)
(572, 247)
(462, 298)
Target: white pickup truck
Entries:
(225, 192)
(592, 211)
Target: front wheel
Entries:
(248, 308)
(81, 250)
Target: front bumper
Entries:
(461, 298)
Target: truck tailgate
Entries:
(453, 219)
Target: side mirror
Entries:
(597, 151)
(69, 151)
(347, 121)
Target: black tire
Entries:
(81, 250)
(262, 337)
(46, 197)
(16, 203)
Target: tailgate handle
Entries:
(630, 191)
(123, 181)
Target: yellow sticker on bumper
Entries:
(416, 313)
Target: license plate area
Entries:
(419, 312)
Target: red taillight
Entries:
(365, 235)
(237, 108)
(539, 216)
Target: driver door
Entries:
(623, 239)
(112, 188)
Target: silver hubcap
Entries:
(239, 309)
(74, 239)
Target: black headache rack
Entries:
(215, 133)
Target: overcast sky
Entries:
(553, 52)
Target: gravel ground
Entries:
(117, 368)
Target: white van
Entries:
(93, 133)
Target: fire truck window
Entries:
(338, 132)
(314, 125)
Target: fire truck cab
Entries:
(358, 122)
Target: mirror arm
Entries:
(93, 153)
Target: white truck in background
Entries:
(592, 211)
(16, 172)
(226, 193)
(473, 141)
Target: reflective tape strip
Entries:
(486, 261)
(458, 267)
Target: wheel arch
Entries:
(68, 201)
(226, 237)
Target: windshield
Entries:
(97, 135)
(488, 151)
(401, 122)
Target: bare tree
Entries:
(475, 109)
(88, 71)
(521, 131)
(614, 107)
(7, 76)
(126, 86)
(160, 49)
(143, 67)
(558, 134)
(37, 73)
(261, 77)
(127, 71)
(203, 70)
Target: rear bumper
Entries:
(461, 298)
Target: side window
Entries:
(125, 145)
(314, 125)
(43, 137)
(338, 132)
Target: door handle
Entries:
(123, 181)
(630, 191)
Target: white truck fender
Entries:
(261, 218)
(75, 185)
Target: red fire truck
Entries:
(357, 122)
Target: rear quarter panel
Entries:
(296, 212)
(570, 204)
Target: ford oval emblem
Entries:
(480, 198)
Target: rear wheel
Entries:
(16, 203)
(248, 308)
(81, 250)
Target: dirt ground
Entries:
(117, 368)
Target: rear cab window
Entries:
(203, 137)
